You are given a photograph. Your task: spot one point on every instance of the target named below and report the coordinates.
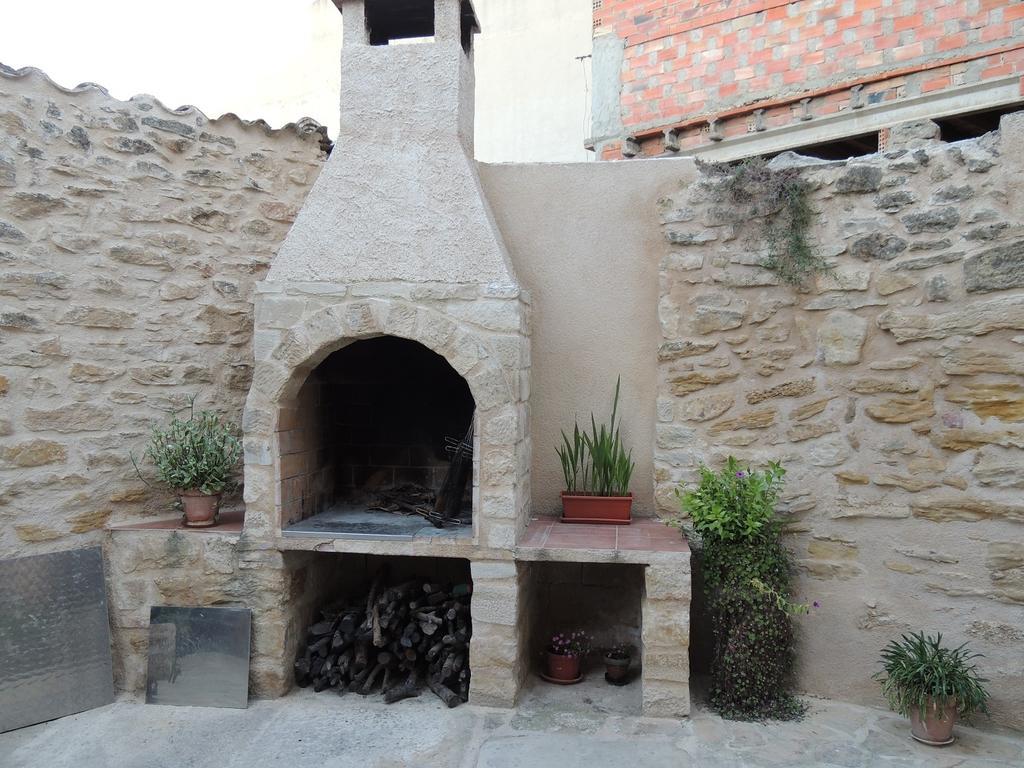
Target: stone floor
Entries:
(553, 726)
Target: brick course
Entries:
(686, 60)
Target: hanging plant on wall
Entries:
(780, 200)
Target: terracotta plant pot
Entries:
(200, 508)
(616, 669)
(936, 727)
(604, 510)
(563, 668)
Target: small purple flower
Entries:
(741, 473)
(816, 604)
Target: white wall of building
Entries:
(532, 98)
(278, 60)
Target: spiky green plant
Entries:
(198, 453)
(597, 462)
(572, 454)
(918, 672)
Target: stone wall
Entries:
(158, 567)
(890, 389)
(130, 240)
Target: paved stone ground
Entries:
(561, 727)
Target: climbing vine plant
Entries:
(780, 200)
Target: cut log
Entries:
(405, 690)
(445, 694)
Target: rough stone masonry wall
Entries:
(891, 391)
(130, 240)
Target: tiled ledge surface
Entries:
(230, 522)
(601, 542)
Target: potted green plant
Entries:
(616, 665)
(597, 470)
(730, 520)
(563, 654)
(931, 684)
(195, 458)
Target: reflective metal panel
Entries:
(54, 637)
(199, 656)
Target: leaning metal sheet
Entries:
(54, 637)
(199, 656)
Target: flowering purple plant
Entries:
(570, 644)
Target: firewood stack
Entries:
(400, 639)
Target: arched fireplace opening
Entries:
(379, 443)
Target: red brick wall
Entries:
(686, 59)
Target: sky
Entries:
(220, 55)
(278, 60)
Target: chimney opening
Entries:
(388, 20)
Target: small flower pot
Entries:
(603, 510)
(936, 727)
(563, 669)
(200, 508)
(616, 668)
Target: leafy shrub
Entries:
(747, 579)
(734, 503)
(918, 670)
(197, 453)
(597, 463)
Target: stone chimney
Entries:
(400, 198)
(395, 239)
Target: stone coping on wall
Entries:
(302, 126)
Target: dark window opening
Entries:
(973, 124)
(469, 25)
(840, 149)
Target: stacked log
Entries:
(397, 641)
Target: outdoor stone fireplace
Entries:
(419, 262)
(390, 333)
(390, 327)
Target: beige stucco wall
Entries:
(586, 242)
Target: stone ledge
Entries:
(230, 525)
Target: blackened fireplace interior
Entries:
(379, 444)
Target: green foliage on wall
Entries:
(780, 200)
